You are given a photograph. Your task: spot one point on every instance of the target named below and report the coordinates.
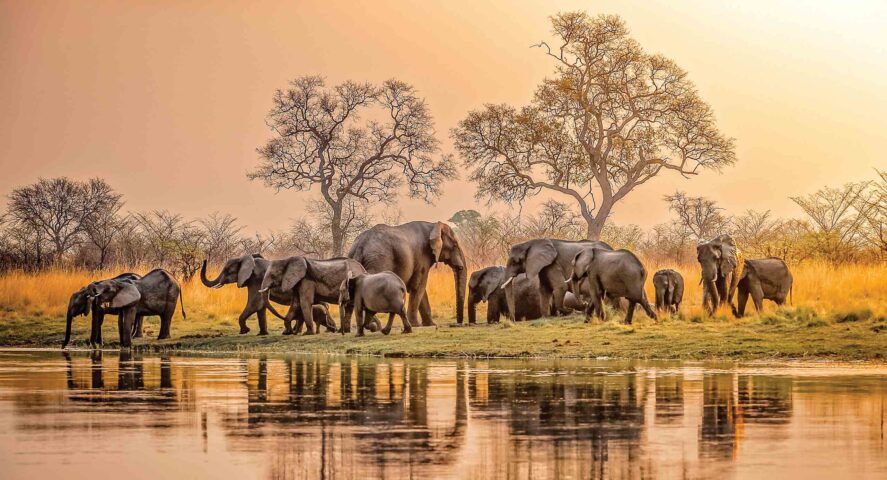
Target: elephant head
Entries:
(114, 293)
(481, 285)
(717, 258)
(582, 263)
(284, 274)
(79, 304)
(236, 270)
(528, 257)
(445, 248)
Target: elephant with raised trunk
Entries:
(669, 286)
(154, 294)
(248, 271)
(766, 278)
(548, 262)
(616, 273)
(720, 271)
(410, 250)
(310, 282)
(483, 286)
(81, 304)
(369, 293)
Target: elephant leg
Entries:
(359, 316)
(387, 328)
(646, 306)
(94, 328)
(630, 313)
(741, 300)
(348, 309)
(407, 328)
(137, 327)
(413, 307)
(241, 320)
(492, 311)
(124, 330)
(757, 294)
(306, 301)
(166, 324)
(425, 310)
(660, 298)
(262, 315)
(559, 289)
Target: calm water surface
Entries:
(80, 415)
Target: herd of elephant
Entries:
(386, 271)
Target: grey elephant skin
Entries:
(81, 304)
(369, 293)
(720, 271)
(154, 294)
(548, 262)
(248, 271)
(410, 250)
(618, 273)
(669, 286)
(483, 286)
(766, 278)
(311, 282)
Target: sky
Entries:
(166, 99)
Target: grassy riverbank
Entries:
(839, 313)
(789, 333)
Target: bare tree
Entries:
(481, 237)
(172, 241)
(58, 209)
(836, 218)
(630, 237)
(611, 118)
(873, 209)
(756, 232)
(700, 217)
(318, 140)
(554, 220)
(104, 226)
(222, 236)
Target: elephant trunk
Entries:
(69, 320)
(472, 307)
(509, 299)
(460, 275)
(713, 294)
(206, 281)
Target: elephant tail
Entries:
(182, 303)
(791, 295)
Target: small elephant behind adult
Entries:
(669, 286)
(154, 294)
(483, 286)
(766, 278)
(616, 273)
(369, 293)
(81, 304)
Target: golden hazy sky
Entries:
(166, 99)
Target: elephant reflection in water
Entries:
(378, 411)
(130, 371)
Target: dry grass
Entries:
(828, 301)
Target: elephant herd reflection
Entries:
(307, 416)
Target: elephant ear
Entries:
(540, 255)
(295, 271)
(344, 296)
(491, 282)
(581, 260)
(435, 240)
(727, 258)
(247, 265)
(127, 295)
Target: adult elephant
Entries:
(410, 250)
(617, 274)
(718, 258)
(81, 304)
(763, 279)
(311, 282)
(248, 271)
(548, 262)
(154, 294)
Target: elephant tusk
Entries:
(568, 280)
(218, 285)
(507, 282)
(264, 290)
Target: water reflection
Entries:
(332, 417)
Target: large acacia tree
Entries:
(610, 118)
(356, 142)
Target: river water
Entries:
(91, 415)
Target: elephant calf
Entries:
(370, 293)
(616, 273)
(669, 286)
(766, 278)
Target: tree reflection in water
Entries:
(327, 417)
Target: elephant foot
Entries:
(244, 330)
(429, 323)
(386, 331)
(310, 331)
(287, 332)
(360, 333)
(407, 330)
(262, 333)
(163, 337)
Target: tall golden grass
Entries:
(818, 286)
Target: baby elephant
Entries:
(614, 273)
(669, 286)
(766, 278)
(370, 293)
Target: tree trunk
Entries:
(337, 232)
(597, 222)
